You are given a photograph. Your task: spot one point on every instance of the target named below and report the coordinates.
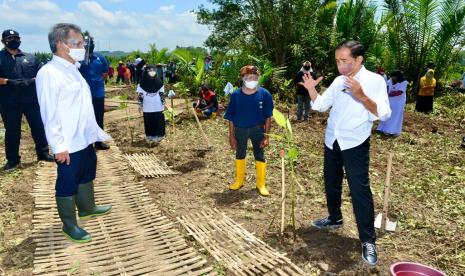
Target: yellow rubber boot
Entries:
(261, 173)
(240, 175)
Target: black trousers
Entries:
(355, 162)
(154, 124)
(99, 111)
(12, 115)
(424, 104)
(256, 134)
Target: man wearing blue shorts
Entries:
(71, 129)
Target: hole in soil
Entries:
(190, 166)
(201, 153)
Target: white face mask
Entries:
(152, 74)
(77, 54)
(251, 84)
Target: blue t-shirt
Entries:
(92, 73)
(249, 110)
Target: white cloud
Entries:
(44, 6)
(169, 8)
(121, 30)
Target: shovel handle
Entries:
(201, 129)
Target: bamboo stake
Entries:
(174, 131)
(387, 189)
(283, 204)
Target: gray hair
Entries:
(59, 33)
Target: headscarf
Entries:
(149, 84)
(429, 77)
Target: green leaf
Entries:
(292, 154)
(279, 118)
(289, 127)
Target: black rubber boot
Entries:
(67, 212)
(85, 202)
(101, 146)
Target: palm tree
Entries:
(419, 31)
(355, 19)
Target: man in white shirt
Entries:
(356, 98)
(71, 129)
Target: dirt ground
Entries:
(428, 193)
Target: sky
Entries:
(124, 25)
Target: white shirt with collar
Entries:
(349, 121)
(66, 107)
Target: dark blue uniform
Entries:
(92, 73)
(19, 97)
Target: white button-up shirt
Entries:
(349, 121)
(66, 107)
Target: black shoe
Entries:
(102, 146)
(369, 253)
(46, 157)
(327, 223)
(10, 166)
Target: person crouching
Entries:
(249, 115)
(208, 103)
(152, 104)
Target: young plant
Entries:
(169, 113)
(291, 155)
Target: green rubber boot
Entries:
(85, 202)
(67, 212)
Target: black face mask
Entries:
(307, 68)
(13, 44)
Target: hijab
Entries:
(429, 77)
(148, 83)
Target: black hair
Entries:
(356, 48)
(399, 75)
(205, 87)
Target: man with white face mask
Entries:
(356, 98)
(249, 114)
(71, 129)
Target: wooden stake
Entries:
(201, 129)
(387, 190)
(283, 196)
(172, 115)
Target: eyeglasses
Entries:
(75, 42)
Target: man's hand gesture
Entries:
(309, 82)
